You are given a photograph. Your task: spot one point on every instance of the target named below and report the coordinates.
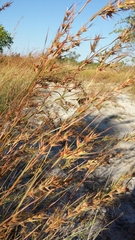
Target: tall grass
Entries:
(44, 168)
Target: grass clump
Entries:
(45, 167)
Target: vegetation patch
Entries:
(56, 150)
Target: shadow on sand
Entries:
(117, 220)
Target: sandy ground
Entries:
(118, 115)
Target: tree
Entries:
(126, 27)
(71, 57)
(5, 39)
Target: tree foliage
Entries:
(71, 57)
(127, 23)
(126, 27)
(5, 39)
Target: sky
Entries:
(28, 22)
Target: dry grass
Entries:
(36, 202)
(16, 74)
(104, 81)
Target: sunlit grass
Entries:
(15, 77)
(43, 169)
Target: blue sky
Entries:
(28, 22)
